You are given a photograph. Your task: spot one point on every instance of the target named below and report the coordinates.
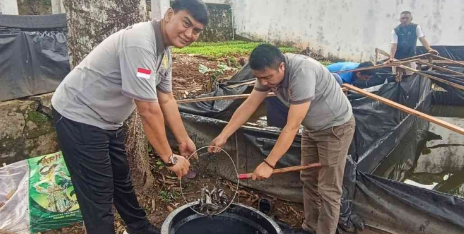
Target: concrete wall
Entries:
(9, 7)
(26, 129)
(347, 29)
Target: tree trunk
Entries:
(89, 23)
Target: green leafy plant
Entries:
(168, 196)
(213, 73)
(224, 49)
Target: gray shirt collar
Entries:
(159, 36)
(285, 81)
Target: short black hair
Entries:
(367, 72)
(406, 12)
(266, 55)
(196, 8)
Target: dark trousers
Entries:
(97, 162)
(322, 187)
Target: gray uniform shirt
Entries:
(307, 80)
(130, 64)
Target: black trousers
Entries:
(97, 162)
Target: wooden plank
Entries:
(406, 109)
(441, 68)
(458, 86)
(217, 98)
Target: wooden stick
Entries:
(458, 86)
(394, 64)
(241, 84)
(447, 59)
(415, 57)
(408, 110)
(216, 98)
(439, 62)
(368, 68)
(382, 52)
(283, 170)
(441, 68)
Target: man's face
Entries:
(181, 28)
(405, 19)
(363, 77)
(270, 77)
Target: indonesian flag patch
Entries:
(143, 73)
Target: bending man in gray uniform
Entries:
(128, 70)
(316, 102)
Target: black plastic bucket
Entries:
(237, 219)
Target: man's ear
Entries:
(168, 15)
(282, 66)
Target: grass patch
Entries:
(223, 49)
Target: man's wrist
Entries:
(166, 158)
(270, 162)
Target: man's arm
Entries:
(153, 126)
(394, 47)
(296, 115)
(426, 44)
(171, 114)
(241, 115)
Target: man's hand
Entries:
(432, 51)
(187, 148)
(391, 60)
(182, 166)
(218, 142)
(263, 171)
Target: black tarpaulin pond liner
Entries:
(34, 59)
(380, 130)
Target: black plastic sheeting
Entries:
(452, 96)
(379, 132)
(31, 62)
(451, 52)
(396, 207)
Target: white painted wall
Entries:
(347, 29)
(158, 8)
(57, 7)
(9, 7)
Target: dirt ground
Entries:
(187, 83)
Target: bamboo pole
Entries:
(441, 68)
(406, 109)
(283, 170)
(458, 86)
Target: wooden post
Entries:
(406, 109)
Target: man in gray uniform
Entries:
(315, 101)
(128, 70)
